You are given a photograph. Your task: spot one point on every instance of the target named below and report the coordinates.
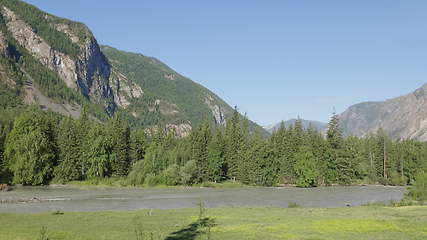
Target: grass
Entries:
(367, 222)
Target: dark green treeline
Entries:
(39, 147)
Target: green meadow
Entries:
(366, 222)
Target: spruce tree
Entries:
(284, 149)
(244, 154)
(200, 142)
(262, 168)
(69, 156)
(2, 140)
(277, 146)
(83, 142)
(356, 166)
(294, 139)
(216, 151)
(139, 144)
(120, 134)
(335, 139)
(381, 150)
(334, 134)
(100, 152)
(298, 134)
(305, 168)
(234, 139)
(318, 146)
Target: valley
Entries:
(101, 143)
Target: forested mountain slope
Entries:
(57, 64)
(403, 117)
(167, 95)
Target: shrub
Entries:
(419, 190)
(293, 205)
(137, 174)
(396, 179)
(188, 173)
(171, 175)
(152, 180)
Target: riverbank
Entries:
(368, 222)
(122, 183)
(69, 199)
(115, 182)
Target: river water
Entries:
(44, 199)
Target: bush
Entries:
(396, 179)
(152, 180)
(293, 205)
(419, 190)
(188, 173)
(171, 175)
(383, 181)
(137, 174)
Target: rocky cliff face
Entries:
(124, 89)
(217, 112)
(93, 75)
(27, 38)
(89, 72)
(401, 117)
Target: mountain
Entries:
(57, 64)
(403, 117)
(320, 126)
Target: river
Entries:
(45, 199)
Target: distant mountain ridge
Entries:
(320, 126)
(403, 117)
(57, 64)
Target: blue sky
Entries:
(274, 59)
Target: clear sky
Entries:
(274, 59)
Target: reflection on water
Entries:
(42, 199)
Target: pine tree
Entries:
(284, 149)
(234, 139)
(298, 134)
(216, 149)
(83, 142)
(305, 168)
(334, 134)
(380, 152)
(335, 151)
(139, 145)
(100, 152)
(357, 162)
(121, 146)
(200, 141)
(69, 155)
(318, 146)
(345, 168)
(3, 134)
(278, 144)
(262, 169)
(244, 153)
(295, 138)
